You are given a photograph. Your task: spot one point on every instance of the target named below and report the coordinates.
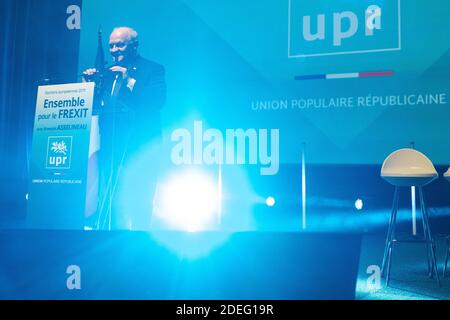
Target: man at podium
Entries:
(132, 91)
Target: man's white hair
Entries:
(133, 35)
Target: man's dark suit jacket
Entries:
(132, 118)
(130, 123)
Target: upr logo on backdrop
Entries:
(322, 27)
(59, 151)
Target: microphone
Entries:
(90, 76)
(105, 70)
(97, 71)
(117, 75)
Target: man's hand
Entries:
(88, 74)
(129, 81)
(123, 71)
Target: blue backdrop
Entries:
(249, 64)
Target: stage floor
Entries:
(409, 280)
(267, 256)
(173, 265)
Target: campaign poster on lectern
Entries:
(58, 164)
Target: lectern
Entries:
(59, 156)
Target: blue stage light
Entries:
(359, 204)
(188, 201)
(270, 201)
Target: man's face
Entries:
(120, 47)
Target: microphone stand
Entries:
(105, 214)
